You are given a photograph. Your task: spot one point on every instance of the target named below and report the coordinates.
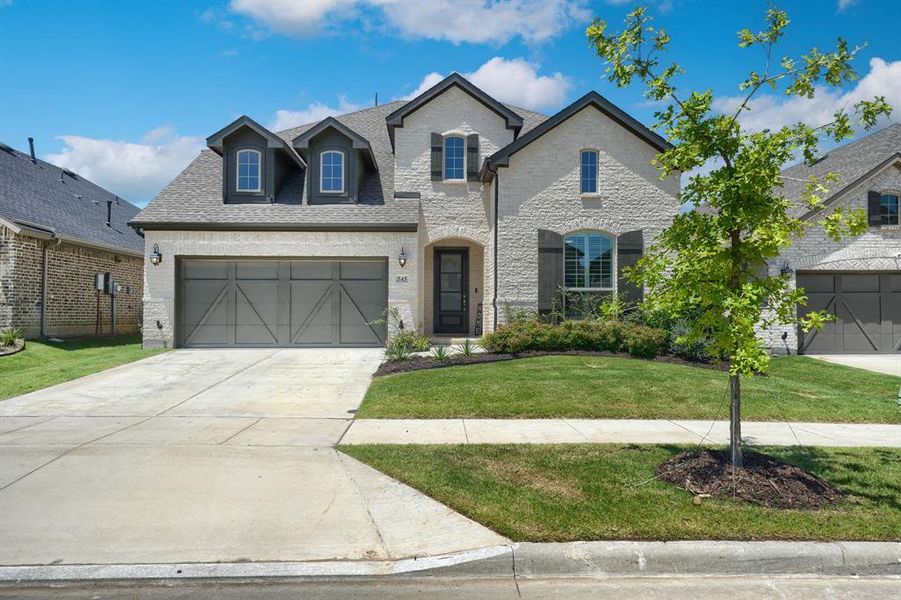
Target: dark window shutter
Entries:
(550, 268)
(437, 156)
(472, 157)
(874, 209)
(629, 249)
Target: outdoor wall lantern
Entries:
(155, 257)
(786, 268)
(402, 257)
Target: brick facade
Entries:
(71, 300)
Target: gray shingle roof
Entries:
(195, 195)
(47, 197)
(851, 162)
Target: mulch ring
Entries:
(418, 363)
(763, 480)
(17, 346)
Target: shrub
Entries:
(645, 342)
(593, 335)
(416, 343)
(468, 347)
(397, 352)
(9, 336)
(440, 353)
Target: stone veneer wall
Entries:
(879, 249)
(71, 300)
(160, 281)
(541, 190)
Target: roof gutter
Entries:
(183, 226)
(497, 185)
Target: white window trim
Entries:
(452, 134)
(597, 175)
(613, 245)
(238, 187)
(343, 171)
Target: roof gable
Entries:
(302, 141)
(396, 119)
(501, 158)
(216, 141)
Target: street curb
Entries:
(527, 561)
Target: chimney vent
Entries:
(109, 213)
(31, 148)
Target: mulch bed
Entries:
(419, 363)
(763, 480)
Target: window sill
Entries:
(454, 181)
(591, 196)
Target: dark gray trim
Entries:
(414, 195)
(396, 119)
(176, 226)
(215, 142)
(497, 185)
(859, 180)
(501, 158)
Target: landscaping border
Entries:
(18, 346)
(421, 363)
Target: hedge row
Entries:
(611, 336)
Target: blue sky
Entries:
(125, 92)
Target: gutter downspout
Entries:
(44, 290)
(497, 185)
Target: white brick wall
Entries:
(877, 249)
(540, 190)
(160, 281)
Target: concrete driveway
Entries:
(890, 364)
(206, 456)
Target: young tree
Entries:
(714, 261)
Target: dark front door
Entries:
(451, 291)
(866, 311)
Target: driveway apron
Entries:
(204, 456)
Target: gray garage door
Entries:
(866, 307)
(281, 303)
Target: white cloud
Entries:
(771, 112)
(134, 171)
(515, 81)
(286, 119)
(472, 21)
(845, 4)
(299, 19)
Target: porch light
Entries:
(786, 268)
(155, 257)
(402, 257)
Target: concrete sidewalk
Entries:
(625, 431)
(889, 364)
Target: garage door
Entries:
(282, 303)
(866, 307)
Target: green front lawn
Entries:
(608, 492)
(43, 364)
(796, 389)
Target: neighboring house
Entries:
(57, 230)
(858, 279)
(448, 207)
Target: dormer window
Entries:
(331, 172)
(454, 158)
(589, 171)
(249, 171)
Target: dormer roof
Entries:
(302, 142)
(216, 141)
(396, 119)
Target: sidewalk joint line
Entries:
(239, 432)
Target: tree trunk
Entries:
(735, 421)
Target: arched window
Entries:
(331, 172)
(454, 149)
(588, 261)
(588, 161)
(888, 209)
(249, 171)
